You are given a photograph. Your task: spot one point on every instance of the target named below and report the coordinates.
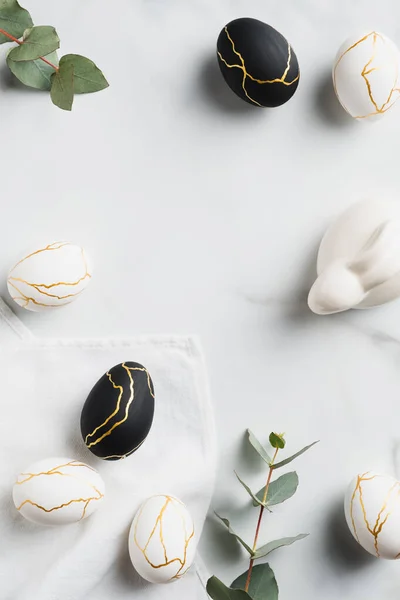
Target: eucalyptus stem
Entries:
(262, 508)
(17, 41)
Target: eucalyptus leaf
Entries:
(258, 447)
(87, 76)
(14, 19)
(277, 441)
(256, 501)
(218, 591)
(37, 41)
(271, 546)
(35, 73)
(239, 539)
(289, 460)
(279, 490)
(263, 584)
(62, 87)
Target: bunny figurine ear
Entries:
(359, 260)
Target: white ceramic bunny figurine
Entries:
(359, 260)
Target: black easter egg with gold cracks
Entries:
(118, 413)
(257, 62)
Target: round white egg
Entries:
(366, 75)
(50, 276)
(372, 507)
(162, 541)
(58, 491)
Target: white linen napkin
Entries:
(43, 385)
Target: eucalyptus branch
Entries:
(34, 60)
(17, 41)
(258, 582)
(262, 508)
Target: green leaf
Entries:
(277, 440)
(62, 86)
(263, 584)
(289, 460)
(38, 41)
(35, 73)
(280, 490)
(239, 539)
(14, 19)
(87, 77)
(258, 447)
(271, 546)
(218, 591)
(256, 501)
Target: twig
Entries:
(262, 508)
(14, 39)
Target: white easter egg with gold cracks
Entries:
(50, 276)
(162, 541)
(366, 75)
(372, 507)
(58, 491)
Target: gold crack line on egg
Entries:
(53, 246)
(162, 539)
(119, 403)
(28, 299)
(16, 298)
(116, 410)
(346, 52)
(265, 81)
(179, 574)
(378, 526)
(365, 513)
(128, 404)
(384, 108)
(363, 73)
(143, 550)
(144, 370)
(242, 67)
(36, 287)
(58, 283)
(341, 58)
(51, 285)
(394, 89)
(49, 510)
(356, 489)
(122, 456)
(54, 471)
(159, 522)
(100, 496)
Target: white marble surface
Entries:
(203, 215)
